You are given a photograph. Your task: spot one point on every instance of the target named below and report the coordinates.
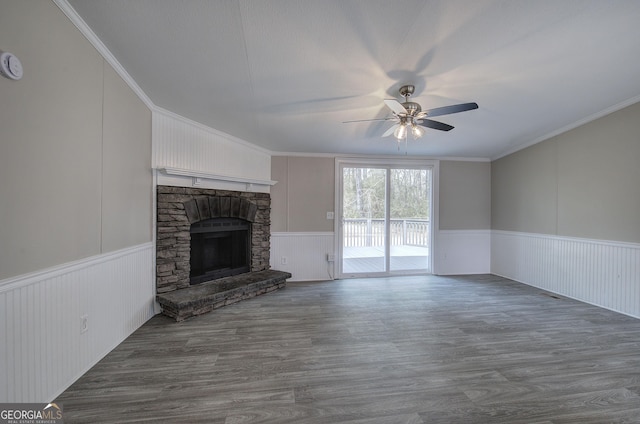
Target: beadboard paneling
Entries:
(184, 144)
(460, 252)
(305, 253)
(602, 273)
(457, 252)
(43, 349)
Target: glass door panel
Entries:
(364, 223)
(409, 225)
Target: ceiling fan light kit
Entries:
(401, 130)
(409, 116)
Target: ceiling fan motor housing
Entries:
(412, 108)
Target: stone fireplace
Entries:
(212, 249)
(227, 231)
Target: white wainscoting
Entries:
(457, 252)
(43, 350)
(305, 253)
(462, 252)
(602, 273)
(184, 144)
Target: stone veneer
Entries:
(204, 298)
(179, 207)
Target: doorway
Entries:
(385, 218)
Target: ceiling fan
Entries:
(409, 116)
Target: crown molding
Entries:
(91, 36)
(569, 127)
(374, 156)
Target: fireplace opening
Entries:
(220, 247)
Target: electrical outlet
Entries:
(84, 323)
(331, 257)
(283, 260)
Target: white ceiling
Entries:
(284, 74)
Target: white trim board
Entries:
(25, 280)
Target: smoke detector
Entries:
(10, 66)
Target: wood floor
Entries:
(427, 349)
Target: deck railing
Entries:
(370, 232)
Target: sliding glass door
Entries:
(384, 222)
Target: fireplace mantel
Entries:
(198, 176)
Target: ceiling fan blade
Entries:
(395, 106)
(390, 131)
(446, 110)
(435, 125)
(369, 120)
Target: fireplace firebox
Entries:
(220, 247)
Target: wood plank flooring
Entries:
(474, 349)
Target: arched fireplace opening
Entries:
(220, 247)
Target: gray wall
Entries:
(583, 183)
(75, 147)
(305, 193)
(465, 195)
(523, 189)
